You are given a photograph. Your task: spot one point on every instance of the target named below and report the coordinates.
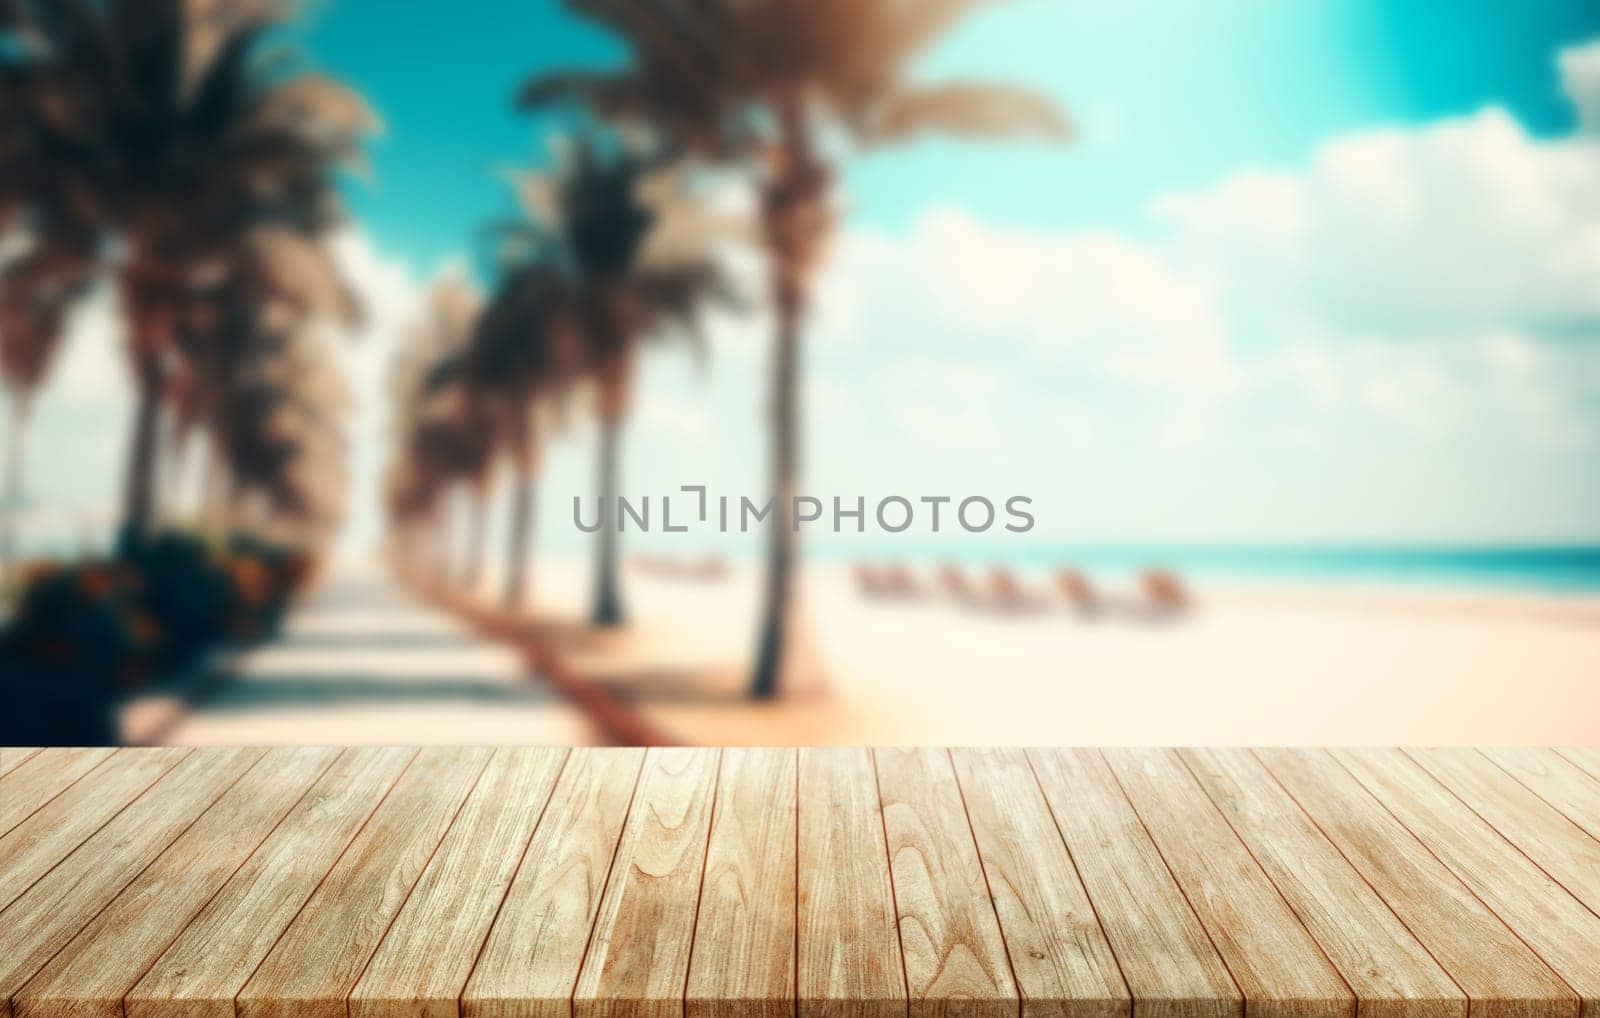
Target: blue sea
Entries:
(1565, 569)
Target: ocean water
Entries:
(1547, 569)
(1566, 569)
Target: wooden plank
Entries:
(955, 958)
(12, 757)
(1587, 759)
(50, 833)
(44, 918)
(1279, 968)
(41, 776)
(1392, 974)
(848, 962)
(1500, 975)
(1558, 780)
(207, 966)
(238, 883)
(1545, 835)
(744, 961)
(88, 978)
(1538, 909)
(638, 959)
(1063, 963)
(535, 949)
(424, 961)
(1172, 969)
(312, 969)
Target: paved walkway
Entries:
(363, 662)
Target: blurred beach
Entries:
(1250, 663)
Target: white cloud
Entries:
(1465, 224)
(1580, 77)
(93, 363)
(945, 406)
(1418, 278)
(681, 418)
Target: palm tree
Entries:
(761, 83)
(250, 344)
(282, 435)
(520, 363)
(446, 445)
(599, 214)
(430, 402)
(155, 128)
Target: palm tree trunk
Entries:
(215, 493)
(607, 592)
(783, 545)
(477, 532)
(795, 220)
(139, 493)
(174, 475)
(520, 533)
(11, 493)
(438, 556)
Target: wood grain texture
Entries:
(12, 757)
(1558, 780)
(1500, 975)
(1543, 833)
(1587, 759)
(207, 966)
(1063, 963)
(525, 883)
(34, 779)
(848, 963)
(424, 961)
(1279, 968)
(638, 959)
(89, 977)
(1171, 967)
(321, 955)
(1392, 974)
(50, 913)
(535, 949)
(50, 833)
(1537, 909)
(744, 958)
(955, 958)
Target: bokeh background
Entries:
(1293, 339)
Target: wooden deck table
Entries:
(503, 883)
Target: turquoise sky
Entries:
(1169, 94)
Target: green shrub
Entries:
(84, 636)
(187, 592)
(72, 649)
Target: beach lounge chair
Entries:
(1164, 593)
(1007, 593)
(899, 581)
(868, 581)
(1079, 592)
(956, 584)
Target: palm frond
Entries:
(285, 265)
(966, 109)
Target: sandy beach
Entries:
(1251, 664)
